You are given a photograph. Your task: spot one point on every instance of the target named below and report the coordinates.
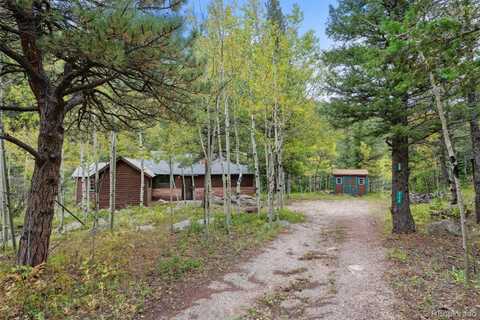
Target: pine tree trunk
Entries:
(475, 138)
(401, 215)
(455, 171)
(142, 171)
(37, 227)
(113, 177)
(256, 164)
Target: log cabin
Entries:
(188, 181)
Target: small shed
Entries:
(350, 181)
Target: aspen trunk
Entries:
(97, 176)
(61, 193)
(170, 168)
(454, 169)
(142, 170)
(271, 183)
(113, 177)
(220, 155)
(257, 167)
(184, 190)
(194, 196)
(237, 160)
(83, 180)
(228, 196)
(88, 190)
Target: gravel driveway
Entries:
(329, 267)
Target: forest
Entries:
(149, 150)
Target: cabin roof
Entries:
(350, 172)
(154, 168)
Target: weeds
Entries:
(397, 254)
(115, 282)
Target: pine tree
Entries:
(372, 83)
(108, 58)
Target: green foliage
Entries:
(175, 267)
(397, 255)
(291, 216)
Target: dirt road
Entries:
(329, 267)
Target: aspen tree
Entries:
(237, 159)
(453, 164)
(142, 170)
(83, 180)
(257, 167)
(113, 176)
(61, 193)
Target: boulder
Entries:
(443, 227)
(421, 197)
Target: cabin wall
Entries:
(350, 185)
(128, 182)
(247, 187)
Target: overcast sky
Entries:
(315, 15)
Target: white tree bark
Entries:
(454, 169)
(61, 193)
(237, 160)
(97, 177)
(113, 178)
(228, 195)
(171, 184)
(222, 164)
(257, 167)
(83, 180)
(5, 190)
(142, 170)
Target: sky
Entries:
(315, 14)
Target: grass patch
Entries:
(175, 267)
(397, 254)
(114, 276)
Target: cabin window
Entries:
(361, 181)
(161, 181)
(92, 185)
(339, 180)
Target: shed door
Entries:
(350, 185)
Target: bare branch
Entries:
(18, 109)
(22, 145)
(74, 101)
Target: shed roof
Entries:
(350, 172)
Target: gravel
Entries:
(341, 250)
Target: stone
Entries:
(443, 227)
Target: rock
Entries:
(284, 223)
(182, 225)
(250, 209)
(355, 268)
(421, 197)
(442, 227)
(147, 227)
